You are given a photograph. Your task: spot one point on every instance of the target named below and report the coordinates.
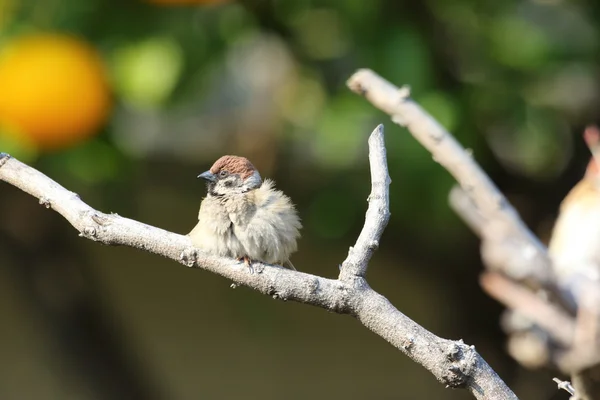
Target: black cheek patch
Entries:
(232, 181)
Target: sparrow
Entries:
(575, 242)
(244, 217)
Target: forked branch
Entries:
(509, 248)
(453, 363)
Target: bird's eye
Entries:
(223, 174)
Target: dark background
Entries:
(516, 81)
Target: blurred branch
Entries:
(586, 384)
(554, 321)
(584, 387)
(582, 359)
(453, 363)
(508, 246)
(462, 204)
(591, 136)
(501, 226)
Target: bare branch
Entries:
(586, 326)
(554, 321)
(453, 363)
(528, 259)
(462, 204)
(586, 384)
(591, 136)
(582, 359)
(529, 348)
(378, 213)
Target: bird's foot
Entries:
(248, 262)
(188, 256)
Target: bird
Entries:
(574, 246)
(244, 217)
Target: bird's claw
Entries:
(248, 262)
(188, 257)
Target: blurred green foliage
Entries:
(156, 53)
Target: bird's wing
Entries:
(272, 232)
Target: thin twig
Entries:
(378, 212)
(453, 363)
(564, 385)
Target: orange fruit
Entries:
(54, 90)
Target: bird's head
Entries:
(231, 175)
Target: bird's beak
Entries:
(208, 176)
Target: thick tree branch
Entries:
(453, 363)
(503, 230)
(462, 204)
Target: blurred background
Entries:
(125, 102)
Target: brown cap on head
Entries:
(234, 165)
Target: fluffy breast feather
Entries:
(271, 234)
(576, 234)
(214, 231)
(262, 224)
